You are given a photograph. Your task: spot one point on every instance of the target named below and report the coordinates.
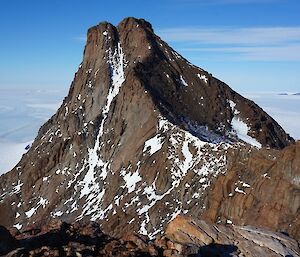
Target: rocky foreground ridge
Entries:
(143, 136)
(184, 237)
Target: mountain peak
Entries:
(127, 25)
(142, 136)
(130, 23)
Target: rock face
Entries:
(144, 135)
(230, 240)
(260, 191)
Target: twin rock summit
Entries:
(145, 142)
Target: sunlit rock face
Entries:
(144, 135)
(228, 240)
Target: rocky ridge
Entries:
(144, 135)
(184, 237)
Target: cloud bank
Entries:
(255, 43)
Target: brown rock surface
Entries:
(264, 190)
(144, 135)
(230, 240)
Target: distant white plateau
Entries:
(284, 108)
(22, 112)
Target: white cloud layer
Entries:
(242, 1)
(229, 2)
(227, 35)
(264, 53)
(256, 43)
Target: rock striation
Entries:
(263, 190)
(144, 135)
(230, 240)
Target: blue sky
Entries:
(252, 45)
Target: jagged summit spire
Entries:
(128, 22)
(131, 22)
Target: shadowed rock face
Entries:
(142, 136)
(77, 239)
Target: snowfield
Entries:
(22, 112)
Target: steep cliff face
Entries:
(142, 136)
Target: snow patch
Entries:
(18, 226)
(131, 179)
(17, 188)
(150, 192)
(203, 77)
(143, 229)
(42, 202)
(245, 185)
(58, 213)
(154, 144)
(30, 212)
(240, 128)
(183, 82)
(239, 191)
(188, 157)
